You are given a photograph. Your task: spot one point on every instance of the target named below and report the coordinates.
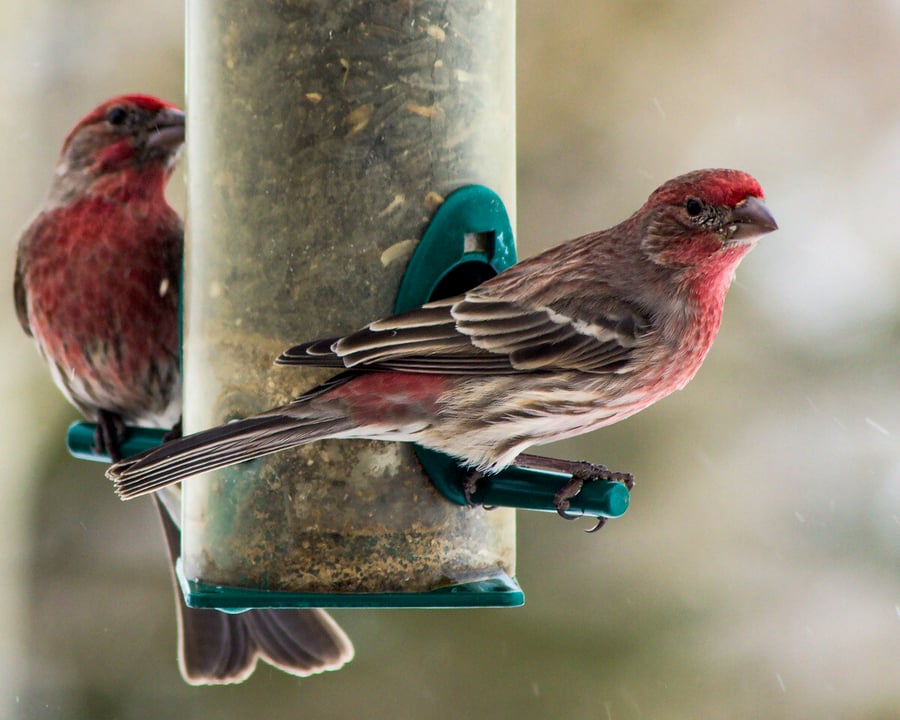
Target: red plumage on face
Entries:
(717, 187)
(145, 102)
(702, 224)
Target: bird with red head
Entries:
(96, 285)
(578, 337)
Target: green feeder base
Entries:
(499, 591)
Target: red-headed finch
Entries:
(578, 337)
(96, 286)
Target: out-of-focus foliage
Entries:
(755, 574)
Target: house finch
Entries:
(96, 285)
(578, 337)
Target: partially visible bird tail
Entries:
(219, 447)
(216, 648)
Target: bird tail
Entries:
(216, 648)
(219, 447)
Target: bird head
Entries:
(127, 131)
(705, 221)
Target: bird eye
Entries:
(116, 116)
(693, 206)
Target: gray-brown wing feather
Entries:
(474, 334)
(20, 296)
(20, 292)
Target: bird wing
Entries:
(43, 231)
(477, 333)
(20, 290)
(20, 295)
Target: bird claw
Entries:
(626, 478)
(470, 486)
(590, 472)
(583, 472)
(601, 521)
(566, 493)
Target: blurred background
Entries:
(756, 574)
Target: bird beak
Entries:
(168, 130)
(749, 219)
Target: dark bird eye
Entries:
(693, 206)
(116, 116)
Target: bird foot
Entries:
(583, 472)
(174, 433)
(109, 435)
(470, 486)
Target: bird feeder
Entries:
(322, 137)
(346, 160)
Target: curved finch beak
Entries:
(749, 219)
(167, 133)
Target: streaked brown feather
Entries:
(526, 321)
(435, 313)
(20, 296)
(471, 335)
(477, 308)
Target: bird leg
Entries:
(470, 484)
(109, 435)
(581, 473)
(174, 433)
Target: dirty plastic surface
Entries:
(321, 140)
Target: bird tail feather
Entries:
(217, 648)
(218, 447)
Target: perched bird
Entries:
(578, 337)
(96, 286)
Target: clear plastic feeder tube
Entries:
(322, 136)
